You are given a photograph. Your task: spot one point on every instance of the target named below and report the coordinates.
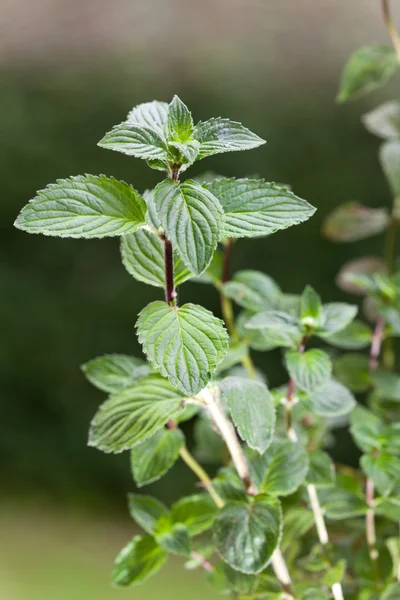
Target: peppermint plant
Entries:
(276, 520)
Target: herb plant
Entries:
(259, 527)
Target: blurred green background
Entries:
(70, 70)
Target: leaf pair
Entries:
(168, 531)
(164, 134)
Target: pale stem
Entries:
(201, 474)
(229, 436)
(394, 35)
(318, 515)
(207, 566)
(282, 573)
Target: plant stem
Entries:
(226, 266)
(229, 436)
(207, 566)
(170, 294)
(375, 350)
(394, 35)
(201, 474)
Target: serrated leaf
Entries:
(311, 306)
(138, 561)
(192, 218)
(175, 538)
(310, 370)
(148, 512)
(389, 155)
(384, 470)
(333, 400)
(180, 122)
(352, 222)
(85, 206)
(281, 469)
(229, 486)
(142, 255)
(321, 472)
(213, 273)
(184, 153)
(134, 414)
(136, 140)
(247, 533)
(253, 290)
(352, 370)
(355, 336)
(255, 208)
(335, 574)
(281, 328)
(196, 512)
(241, 583)
(114, 372)
(235, 355)
(186, 344)
(153, 115)
(366, 429)
(151, 459)
(384, 121)
(335, 317)
(367, 69)
(222, 135)
(252, 409)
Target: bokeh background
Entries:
(69, 70)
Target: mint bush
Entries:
(279, 519)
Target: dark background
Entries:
(71, 70)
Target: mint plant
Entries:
(278, 520)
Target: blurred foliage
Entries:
(65, 301)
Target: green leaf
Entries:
(153, 115)
(213, 273)
(247, 533)
(148, 512)
(253, 290)
(333, 400)
(180, 122)
(355, 336)
(134, 414)
(235, 355)
(184, 153)
(138, 561)
(192, 218)
(151, 214)
(353, 371)
(314, 594)
(114, 372)
(388, 507)
(390, 157)
(384, 121)
(343, 504)
(175, 538)
(281, 328)
(252, 410)
(222, 135)
(352, 222)
(136, 140)
(196, 512)
(241, 583)
(281, 469)
(366, 429)
(142, 255)
(186, 344)
(384, 470)
(255, 208)
(368, 68)
(151, 459)
(335, 574)
(310, 370)
(335, 317)
(311, 306)
(387, 385)
(297, 521)
(85, 206)
(321, 472)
